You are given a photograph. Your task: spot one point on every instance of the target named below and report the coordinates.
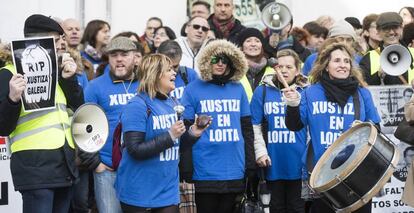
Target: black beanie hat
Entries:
(247, 33)
(354, 22)
(41, 24)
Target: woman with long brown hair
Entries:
(337, 89)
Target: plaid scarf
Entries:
(224, 26)
(92, 52)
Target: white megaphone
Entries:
(90, 127)
(395, 60)
(276, 16)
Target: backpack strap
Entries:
(146, 104)
(182, 70)
(265, 125)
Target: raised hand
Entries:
(69, 66)
(17, 84)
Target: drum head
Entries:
(343, 156)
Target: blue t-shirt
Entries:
(219, 153)
(111, 96)
(82, 80)
(285, 148)
(310, 61)
(153, 182)
(327, 121)
(180, 84)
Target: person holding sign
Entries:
(277, 148)
(43, 153)
(337, 97)
(224, 154)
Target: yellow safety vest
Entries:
(246, 85)
(374, 58)
(42, 130)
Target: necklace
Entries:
(125, 88)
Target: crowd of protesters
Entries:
(240, 116)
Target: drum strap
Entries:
(357, 105)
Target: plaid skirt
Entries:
(187, 198)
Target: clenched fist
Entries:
(69, 66)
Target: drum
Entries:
(354, 168)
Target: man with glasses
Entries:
(191, 45)
(147, 40)
(389, 27)
(223, 23)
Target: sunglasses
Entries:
(216, 59)
(203, 28)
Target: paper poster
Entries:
(390, 101)
(35, 59)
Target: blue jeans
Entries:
(56, 200)
(105, 195)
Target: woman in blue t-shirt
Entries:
(327, 108)
(147, 177)
(275, 146)
(224, 153)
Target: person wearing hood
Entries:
(251, 43)
(278, 149)
(224, 154)
(339, 87)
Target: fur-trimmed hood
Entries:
(221, 46)
(5, 54)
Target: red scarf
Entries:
(224, 26)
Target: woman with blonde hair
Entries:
(338, 93)
(147, 178)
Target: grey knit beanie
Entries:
(342, 28)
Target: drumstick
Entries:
(273, 63)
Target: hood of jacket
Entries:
(5, 55)
(236, 56)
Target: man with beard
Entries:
(223, 23)
(112, 91)
(389, 26)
